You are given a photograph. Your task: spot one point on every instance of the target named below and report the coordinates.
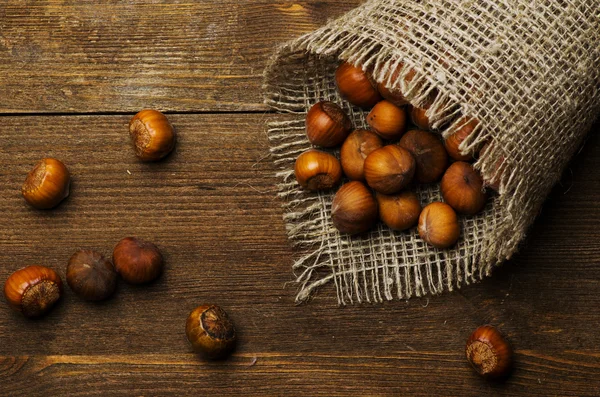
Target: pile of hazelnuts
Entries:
(34, 290)
(384, 164)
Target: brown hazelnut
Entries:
(33, 290)
(91, 276)
(387, 120)
(152, 134)
(395, 95)
(453, 141)
(354, 209)
(438, 225)
(356, 86)
(355, 150)
(494, 183)
(316, 170)
(429, 154)
(327, 124)
(47, 184)
(462, 188)
(210, 331)
(489, 353)
(400, 211)
(419, 117)
(389, 169)
(137, 261)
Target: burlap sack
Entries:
(528, 70)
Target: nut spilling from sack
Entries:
(384, 164)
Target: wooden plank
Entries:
(72, 56)
(211, 208)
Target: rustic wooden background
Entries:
(72, 73)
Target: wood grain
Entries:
(111, 56)
(211, 207)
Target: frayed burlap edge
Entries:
(386, 264)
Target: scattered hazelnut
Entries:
(389, 169)
(152, 134)
(354, 209)
(453, 141)
(438, 225)
(210, 331)
(47, 184)
(137, 261)
(400, 211)
(91, 276)
(429, 153)
(489, 353)
(316, 170)
(387, 120)
(355, 150)
(356, 86)
(462, 188)
(327, 124)
(33, 290)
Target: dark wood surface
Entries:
(211, 207)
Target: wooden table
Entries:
(72, 74)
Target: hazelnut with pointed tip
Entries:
(438, 225)
(462, 188)
(91, 276)
(400, 211)
(356, 86)
(453, 141)
(354, 209)
(137, 261)
(429, 153)
(355, 150)
(389, 169)
(387, 120)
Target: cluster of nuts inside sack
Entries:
(34, 290)
(385, 163)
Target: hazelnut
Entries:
(355, 150)
(462, 188)
(356, 86)
(91, 276)
(210, 331)
(387, 120)
(429, 154)
(152, 134)
(47, 184)
(354, 209)
(494, 183)
(489, 353)
(419, 117)
(453, 141)
(438, 225)
(137, 261)
(400, 211)
(33, 290)
(327, 125)
(316, 170)
(395, 95)
(389, 169)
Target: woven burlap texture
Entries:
(528, 70)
